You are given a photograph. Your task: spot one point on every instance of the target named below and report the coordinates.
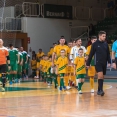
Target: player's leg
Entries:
(15, 66)
(61, 81)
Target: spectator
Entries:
(33, 54)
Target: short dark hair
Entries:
(40, 49)
(80, 49)
(10, 45)
(93, 37)
(77, 39)
(54, 43)
(101, 33)
(62, 37)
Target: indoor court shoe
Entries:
(64, 88)
(68, 87)
(10, 82)
(80, 92)
(92, 90)
(3, 90)
(60, 88)
(100, 93)
(55, 87)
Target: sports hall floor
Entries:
(36, 99)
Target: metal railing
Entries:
(82, 12)
(80, 32)
(1, 24)
(31, 9)
(13, 24)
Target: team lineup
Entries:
(65, 64)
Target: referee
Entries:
(100, 51)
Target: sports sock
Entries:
(58, 80)
(77, 82)
(66, 78)
(92, 82)
(55, 80)
(15, 76)
(37, 73)
(79, 86)
(100, 84)
(61, 82)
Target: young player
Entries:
(62, 64)
(80, 69)
(14, 59)
(33, 66)
(91, 70)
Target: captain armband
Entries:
(113, 61)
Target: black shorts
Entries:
(116, 60)
(3, 68)
(101, 68)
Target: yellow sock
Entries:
(58, 80)
(66, 79)
(37, 73)
(92, 82)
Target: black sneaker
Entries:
(100, 93)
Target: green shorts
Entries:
(78, 76)
(62, 74)
(19, 68)
(24, 67)
(13, 66)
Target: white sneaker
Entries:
(80, 92)
(36, 77)
(3, 90)
(92, 90)
(68, 87)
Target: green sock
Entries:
(18, 76)
(79, 86)
(61, 82)
(10, 77)
(0, 79)
(15, 76)
(82, 84)
(55, 80)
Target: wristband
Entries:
(113, 61)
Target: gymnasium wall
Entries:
(43, 32)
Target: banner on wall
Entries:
(57, 11)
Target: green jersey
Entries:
(24, 53)
(20, 56)
(13, 54)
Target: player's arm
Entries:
(92, 52)
(109, 58)
(75, 63)
(18, 56)
(71, 55)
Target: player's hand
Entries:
(114, 65)
(88, 67)
(109, 65)
(9, 67)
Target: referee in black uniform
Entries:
(100, 51)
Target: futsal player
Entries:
(100, 51)
(91, 70)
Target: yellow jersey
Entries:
(33, 64)
(80, 65)
(62, 63)
(38, 55)
(88, 52)
(58, 48)
(42, 63)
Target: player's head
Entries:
(62, 40)
(70, 44)
(10, 46)
(62, 52)
(43, 57)
(102, 35)
(21, 49)
(40, 50)
(50, 58)
(78, 42)
(33, 58)
(1, 42)
(80, 51)
(46, 57)
(93, 39)
(74, 43)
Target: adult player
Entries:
(56, 55)
(25, 61)
(100, 51)
(4, 60)
(14, 60)
(74, 52)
